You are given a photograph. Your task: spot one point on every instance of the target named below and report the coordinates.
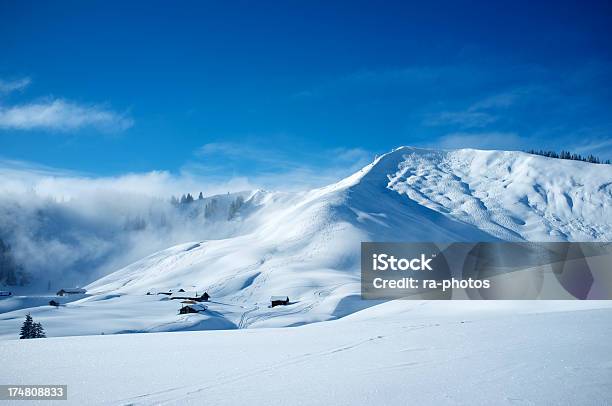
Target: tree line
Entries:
(211, 206)
(185, 199)
(568, 155)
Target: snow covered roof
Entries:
(279, 298)
(185, 295)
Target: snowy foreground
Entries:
(399, 353)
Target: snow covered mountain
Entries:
(306, 245)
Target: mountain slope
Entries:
(306, 245)
(512, 195)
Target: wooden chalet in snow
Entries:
(192, 308)
(195, 296)
(279, 300)
(54, 302)
(71, 291)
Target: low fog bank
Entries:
(48, 242)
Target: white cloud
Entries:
(20, 177)
(61, 115)
(8, 86)
(57, 114)
(219, 176)
(65, 224)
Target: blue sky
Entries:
(310, 89)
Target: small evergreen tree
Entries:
(38, 331)
(200, 196)
(210, 208)
(27, 328)
(186, 199)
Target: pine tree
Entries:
(38, 331)
(235, 206)
(210, 208)
(27, 328)
(200, 196)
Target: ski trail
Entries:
(175, 395)
(245, 317)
